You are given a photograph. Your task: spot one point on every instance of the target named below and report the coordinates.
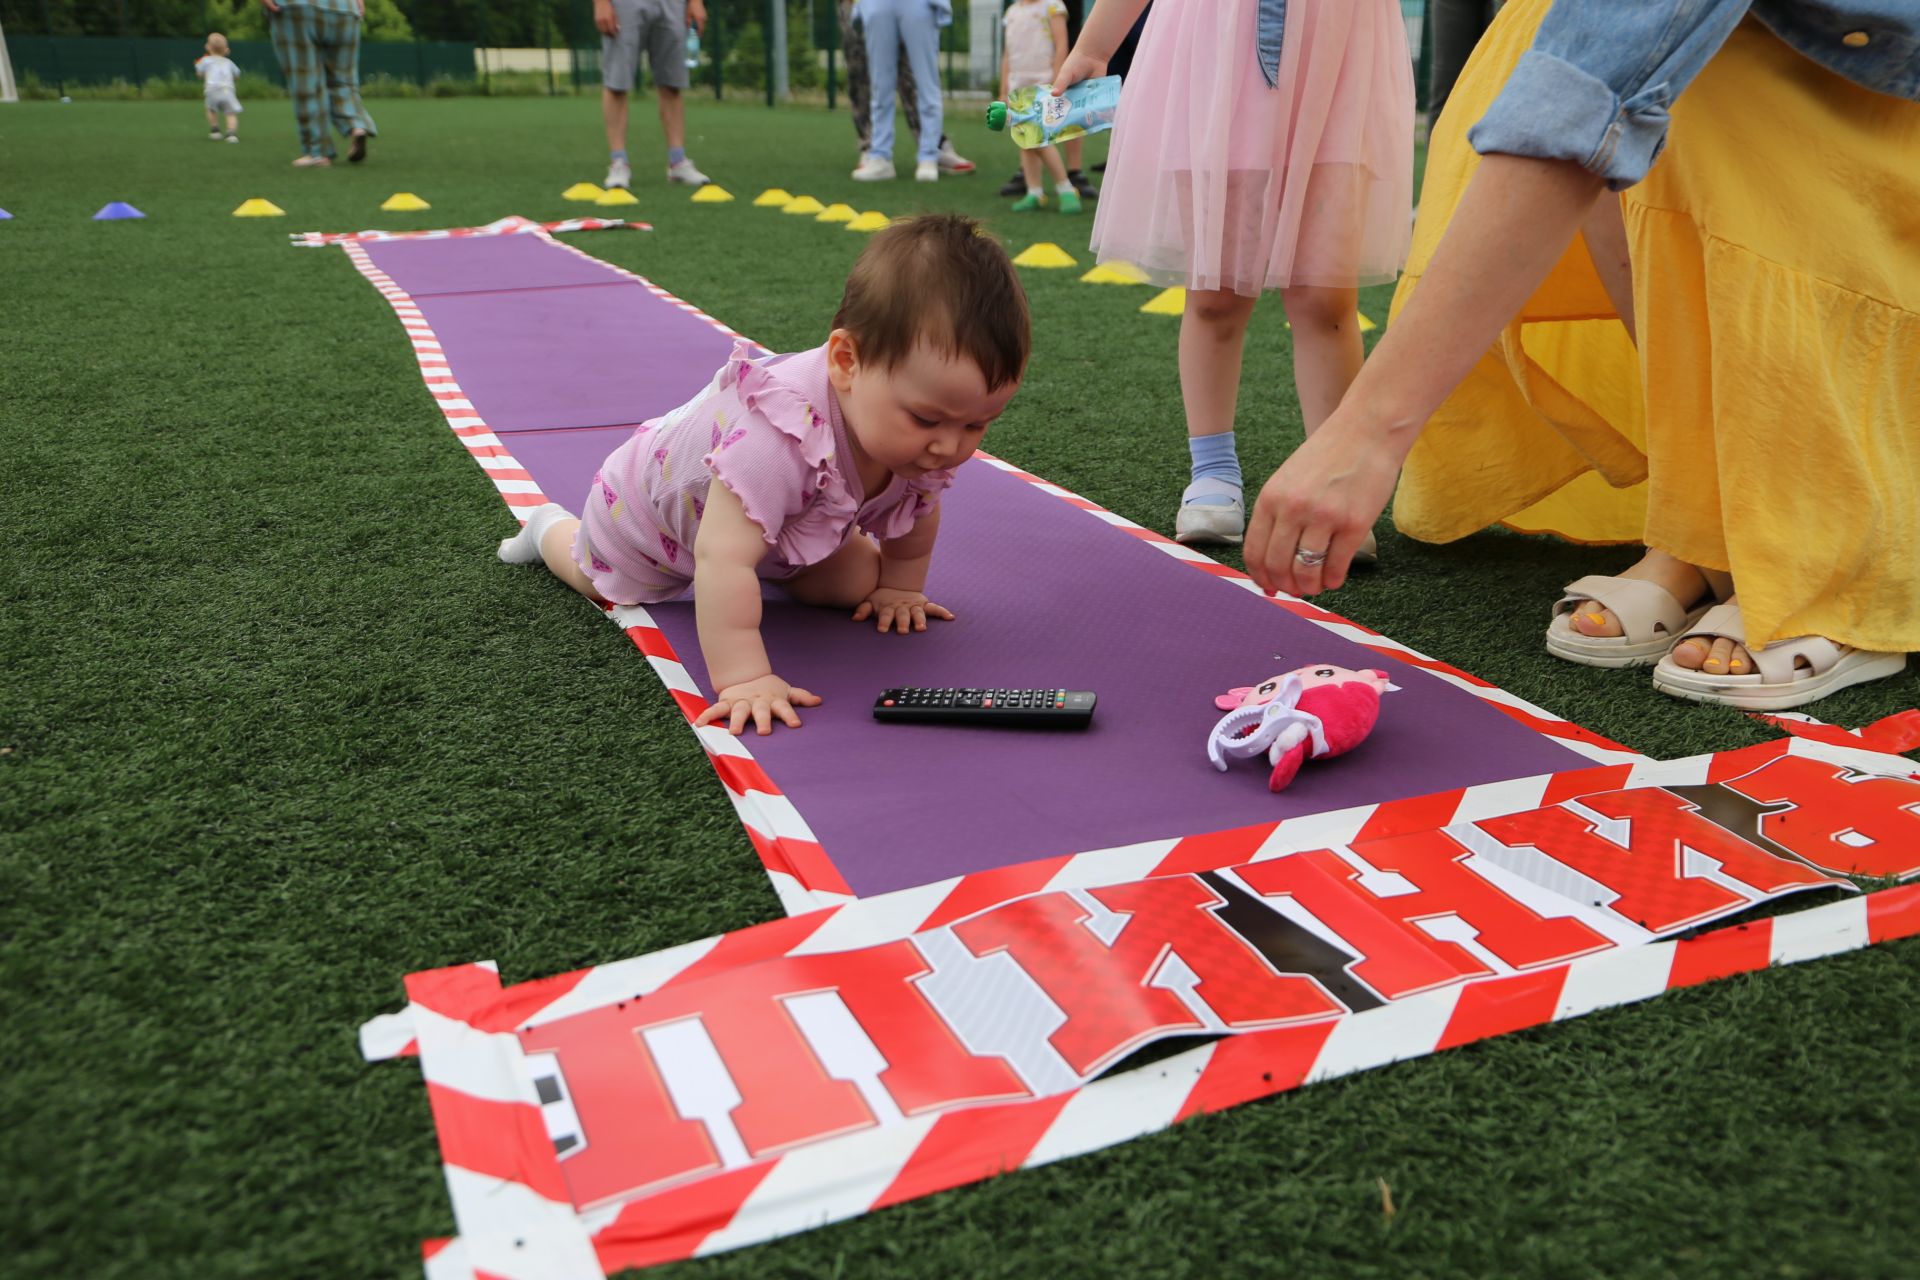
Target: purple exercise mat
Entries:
(541, 339)
(484, 264)
(1047, 595)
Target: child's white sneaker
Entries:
(927, 171)
(233, 137)
(874, 168)
(1215, 523)
(214, 136)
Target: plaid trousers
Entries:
(319, 50)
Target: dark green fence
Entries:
(101, 60)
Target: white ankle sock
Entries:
(524, 547)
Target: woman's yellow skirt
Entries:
(1769, 423)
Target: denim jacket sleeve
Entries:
(1596, 85)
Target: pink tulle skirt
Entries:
(1215, 181)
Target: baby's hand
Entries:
(762, 699)
(902, 610)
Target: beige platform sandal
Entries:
(1787, 673)
(1651, 620)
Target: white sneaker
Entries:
(619, 174)
(685, 172)
(952, 161)
(926, 171)
(1211, 523)
(874, 168)
(233, 137)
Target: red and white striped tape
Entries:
(511, 225)
(511, 1202)
(801, 870)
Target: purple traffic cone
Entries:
(116, 210)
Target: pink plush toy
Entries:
(1312, 712)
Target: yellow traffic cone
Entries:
(1115, 273)
(1045, 255)
(1168, 302)
(258, 208)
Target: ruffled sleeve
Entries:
(916, 498)
(775, 451)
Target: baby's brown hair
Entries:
(938, 279)
(217, 44)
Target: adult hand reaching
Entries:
(1317, 509)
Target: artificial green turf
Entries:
(276, 728)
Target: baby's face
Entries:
(927, 413)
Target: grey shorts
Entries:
(659, 27)
(222, 100)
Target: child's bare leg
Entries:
(1327, 354)
(1030, 170)
(1056, 169)
(843, 580)
(1326, 348)
(1213, 332)
(213, 118)
(233, 123)
(556, 550)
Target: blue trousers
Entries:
(893, 26)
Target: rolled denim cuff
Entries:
(1553, 110)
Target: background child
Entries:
(217, 75)
(769, 471)
(1246, 159)
(1036, 45)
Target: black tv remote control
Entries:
(1013, 708)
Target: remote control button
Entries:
(887, 703)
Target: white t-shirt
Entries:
(216, 71)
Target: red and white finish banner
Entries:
(815, 1068)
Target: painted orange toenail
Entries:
(1737, 665)
(1597, 619)
(1712, 662)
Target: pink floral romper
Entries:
(771, 430)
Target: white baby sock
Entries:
(524, 547)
